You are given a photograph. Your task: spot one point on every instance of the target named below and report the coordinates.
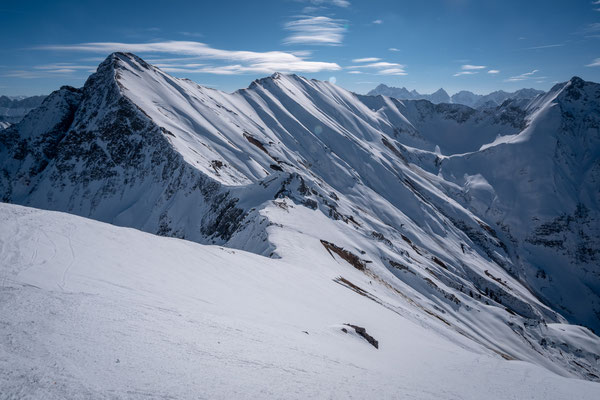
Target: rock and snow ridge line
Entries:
(279, 167)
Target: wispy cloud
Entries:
(525, 76)
(595, 63)
(354, 72)
(546, 46)
(243, 61)
(315, 30)
(64, 73)
(468, 67)
(595, 27)
(317, 5)
(493, 71)
(590, 30)
(191, 34)
(392, 71)
(381, 67)
(378, 22)
(380, 64)
(367, 59)
(338, 3)
(61, 67)
(393, 49)
(64, 70)
(465, 73)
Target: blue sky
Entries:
(478, 45)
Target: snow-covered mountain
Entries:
(482, 224)
(463, 97)
(439, 96)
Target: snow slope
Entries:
(545, 197)
(291, 166)
(91, 310)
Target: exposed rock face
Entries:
(94, 153)
(363, 332)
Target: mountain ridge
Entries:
(464, 97)
(292, 160)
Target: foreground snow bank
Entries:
(89, 310)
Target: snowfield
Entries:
(90, 310)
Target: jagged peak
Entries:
(577, 81)
(118, 60)
(275, 77)
(574, 89)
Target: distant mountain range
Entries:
(13, 109)
(464, 97)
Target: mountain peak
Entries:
(120, 59)
(576, 81)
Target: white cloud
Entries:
(468, 67)
(379, 67)
(525, 76)
(367, 59)
(595, 63)
(393, 49)
(493, 71)
(315, 30)
(243, 61)
(381, 64)
(378, 22)
(392, 71)
(354, 72)
(465, 73)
